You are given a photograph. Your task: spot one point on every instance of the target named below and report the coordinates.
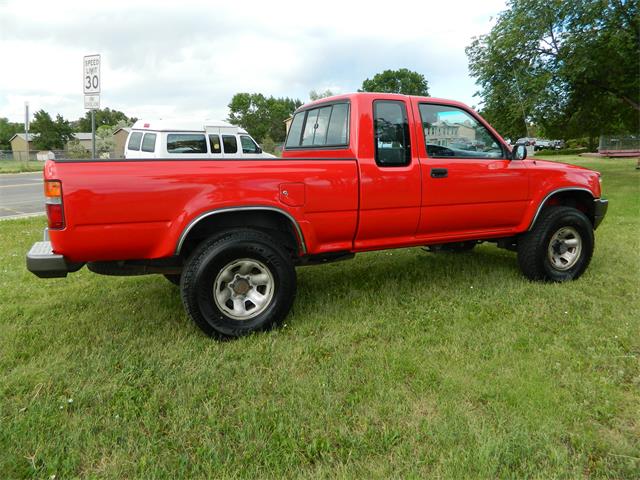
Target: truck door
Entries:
(390, 185)
(469, 186)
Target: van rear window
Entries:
(214, 143)
(230, 144)
(149, 142)
(134, 141)
(186, 143)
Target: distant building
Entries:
(445, 134)
(19, 146)
(83, 138)
(287, 124)
(120, 138)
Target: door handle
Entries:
(439, 172)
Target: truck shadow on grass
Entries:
(388, 280)
(394, 277)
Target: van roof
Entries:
(182, 125)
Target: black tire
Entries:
(207, 263)
(534, 246)
(173, 278)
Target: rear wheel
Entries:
(559, 247)
(237, 283)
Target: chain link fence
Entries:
(619, 145)
(42, 155)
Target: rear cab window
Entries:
(325, 126)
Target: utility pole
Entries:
(26, 126)
(93, 133)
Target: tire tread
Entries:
(532, 245)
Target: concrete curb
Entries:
(22, 215)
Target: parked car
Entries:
(526, 141)
(542, 144)
(359, 172)
(187, 139)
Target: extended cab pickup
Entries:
(359, 172)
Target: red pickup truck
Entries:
(359, 172)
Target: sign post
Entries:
(91, 82)
(26, 126)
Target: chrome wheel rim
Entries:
(243, 289)
(564, 248)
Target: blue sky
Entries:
(187, 59)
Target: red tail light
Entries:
(53, 203)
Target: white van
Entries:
(186, 139)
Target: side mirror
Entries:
(258, 150)
(519, 152)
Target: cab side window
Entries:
(248, 145)
(391, 131)
(450, 132)
(230, 144)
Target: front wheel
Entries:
(238, 283)
(559, 247)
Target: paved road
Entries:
(21, 195)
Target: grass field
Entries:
(397, 364)
(14, 166)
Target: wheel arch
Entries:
(577, 197)
(265, 218)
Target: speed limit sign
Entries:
(91, 74)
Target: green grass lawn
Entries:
(14, 166)
(398, 364)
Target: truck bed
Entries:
(129, 209)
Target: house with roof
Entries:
(83, 138)
(19, 144)
(120, 139)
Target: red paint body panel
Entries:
(137, 210)
(340, 198)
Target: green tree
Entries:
(104, 116)
(569, 67)
(77, 151)
(402, 81)
(262, 116)
(7, 130)
(104, 139)
(50, 134)
(315, 95)
(268, 145)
